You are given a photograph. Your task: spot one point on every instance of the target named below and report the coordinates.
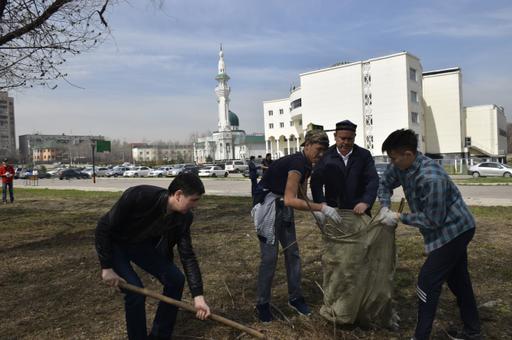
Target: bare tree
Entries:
(37, 36)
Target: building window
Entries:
(414, 97)
(300, 122)
(412, 74)
(281, 124)
(414, 117)
(291, 123)
(281, 111)
(270, 113)
(271, 125)
(295, 104)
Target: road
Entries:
(236, 185)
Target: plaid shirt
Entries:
(436, 204)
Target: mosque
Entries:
(228, 142)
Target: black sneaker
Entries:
(463, 335)
(300, 306)
(264, 313)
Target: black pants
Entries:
(447, 264)
(254, 182)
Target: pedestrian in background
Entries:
(266, 162)
(7, 173)
(447, 226)
(253, 174)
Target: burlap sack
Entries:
(359, 261)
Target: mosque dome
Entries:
(233, 120)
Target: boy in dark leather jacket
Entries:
(142, 228)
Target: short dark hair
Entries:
(189, 183)
(401, 140)
(252, 157)
(268, 154)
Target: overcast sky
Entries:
(153, 79)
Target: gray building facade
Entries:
(7, 126)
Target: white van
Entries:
(236, 166)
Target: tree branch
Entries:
(52, 9)
(3, 3)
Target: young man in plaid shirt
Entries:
(444, 220)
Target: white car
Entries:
(138, 171)
(213, 171)
(490, 169)
(236, 166)
(100, 171)
(160, 172)
(176, 170)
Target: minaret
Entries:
(222, 91)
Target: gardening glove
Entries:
(320, 218)
(388, 217)
(331, 213)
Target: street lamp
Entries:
(93, 146)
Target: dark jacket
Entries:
(345, 186)
(253, 170)
(140, 215)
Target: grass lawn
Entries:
(51, 288)
(485, 181)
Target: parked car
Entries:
(179, 168)
(139, 171)
(160, 172)
(73, 173)
(490, 169)
(212, 171)
(17, 173)
(28, 173)
(117, 171)
(381, 168)
(99, 170)
(236, 166)
(190, 168)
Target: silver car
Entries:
(490, 169)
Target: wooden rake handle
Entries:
(190, 308)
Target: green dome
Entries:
(233, 119)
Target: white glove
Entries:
(331, 213)
(320, 217)
(388, 217)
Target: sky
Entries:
(154, 76)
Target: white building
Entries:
(228, 142)
(487, 130)
(7, 126)
(377, 94)
(380, 95)
(167, 153)
(444, 114)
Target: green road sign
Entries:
(102, 145)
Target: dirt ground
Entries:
(50, 286)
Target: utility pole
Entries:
(93, 146)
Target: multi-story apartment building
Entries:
(64, 148)
(170, 153)
(487, 130)
(7, 126)
(380, 95)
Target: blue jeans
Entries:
(145, 256)
(285, 234)
(4, 192)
